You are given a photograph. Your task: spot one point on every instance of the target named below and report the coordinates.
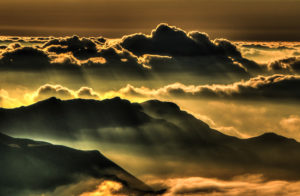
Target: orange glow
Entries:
(106, 188)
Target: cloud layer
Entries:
(274, 87)
(168, 50)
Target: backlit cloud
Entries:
(275, 87)
(64, 93)
(167, 52)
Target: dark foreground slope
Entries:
(159, 131)
(28, 167)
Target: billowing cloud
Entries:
(192, 51)
(48, 90)
(168, 51)
(87, 93)
(117, 62)
(64, 93)
(81, 48)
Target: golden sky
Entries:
(159, 82)
(235, 20)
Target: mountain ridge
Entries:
(156, 130)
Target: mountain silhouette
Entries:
(159, 131)
(35, 166)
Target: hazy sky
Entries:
(234, 65)
(235, 20)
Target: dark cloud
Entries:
(159, 130)
(111, 62)
(116, 62)
(19, 58)
(296, 53)
(107, 60)
(190, 52)
(288, 65)
(24, 58)
(168, 40)
(81, 48)
(168, 52)
(266, 47)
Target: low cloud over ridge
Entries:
(275, 87)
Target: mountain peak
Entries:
(272, 137)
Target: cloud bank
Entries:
(168, 50)
(274, 87)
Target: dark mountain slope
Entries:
(33, 166)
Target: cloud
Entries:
(291, 123)
(264, 53)
(168, 52)
(24, 58)
(117, 62)
(170, 41)
(245, 186)
(87, 93)
(73, 55)
(92, 55)
(266, 47)
(48, 90)
(24, 40)
(58, 91)
(192, 51)
(288, 65)
(81, 48)
(275, 87)
(90, 187)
